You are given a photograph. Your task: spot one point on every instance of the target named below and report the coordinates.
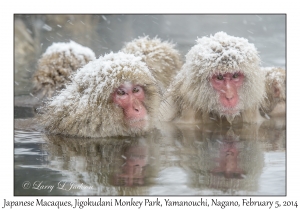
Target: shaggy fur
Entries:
(275, 89)
(57, 64)
(85, 107)
(191, 91)
(162, 59)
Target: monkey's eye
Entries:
(135, 90)
(220, 77)
(120, 92)
(235, 75)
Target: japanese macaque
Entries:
(162, 58)
(220, 78)
(115, 95)
(56, 65)
(274, 103)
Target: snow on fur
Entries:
(219, 53)
(222, 53)
(76, 49)
(275, 88)
(161, 57)
(57, 64)
(85, 108)
(274, 74)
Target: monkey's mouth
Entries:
(137, 123)
(229, 111)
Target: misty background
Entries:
(104, 33)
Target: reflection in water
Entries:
(223, 161)
(104, 163)
(136, 158)
(228, 163)
(239, 162)
(172, 160)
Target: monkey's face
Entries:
(130, 97)
(227, 87)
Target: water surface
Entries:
(178, 160)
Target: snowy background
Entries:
(106, 33)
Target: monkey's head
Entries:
(161, 57)
(221, 75)
(56, 65)
(275, 88)
(115, 95)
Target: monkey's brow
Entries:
(146, 84)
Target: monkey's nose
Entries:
(229, 92)
(229, 96)
(136, 105)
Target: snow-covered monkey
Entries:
(56, 65)
(221, 77)
(114, 95)
(161, 57)
(274, 103)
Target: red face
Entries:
(131, 99)
(133, 169)
(227, 85)
(228, 161)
